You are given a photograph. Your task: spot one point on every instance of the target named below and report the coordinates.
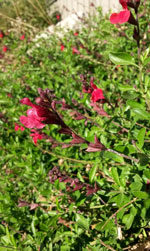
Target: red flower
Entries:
(121, 17)
(97, 93)
(38, 114)
(75, 50)
(124, 15)
(34, 115)
(76, 34)
(62, 47)
(18, 127)
(58, 17)
(36, 136)
(129, 3)
(22, 37)
(1, 34)
(5, 48)
(97, 146)
(124, 3)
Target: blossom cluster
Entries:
(5, 47)
(44, 112)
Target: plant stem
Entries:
(16, 21)
(123, 155)
(66, 158)
(113, 215)
(44, 12)
(15, 8)
(107, 246)
(38, 11)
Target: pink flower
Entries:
(75, 50)
(36, 136)
(22, 37)
(18, 127)
(5, 48)
(62, 47)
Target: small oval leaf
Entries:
(82, 221)
(122, 58)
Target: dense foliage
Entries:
(81, 181)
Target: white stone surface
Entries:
(68, 7)
(72, 12)
(69, 23)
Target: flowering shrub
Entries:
(77, 176)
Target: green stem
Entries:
(113, 215)
(66, 158)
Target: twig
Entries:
(38, 11)
(16, 21)
(113, 215)
(15, 8)
(9, 247)
(122, 155)
(44, 12)
(107, 246)
(66, 158)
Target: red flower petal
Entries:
(123, 3)
(97, 94)
(121, 17)
(36, 136)
(93, 85)
(18, 127)
(62, 47)
(5, 48)
(22, 37)
(26, 101)
(31, 122)
(75, 50)
(124, 16)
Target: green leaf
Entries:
(92, 174)
(120, 199)
(140, 137)
(92, 248)
(122, 58)
(147, 173)
(113, 156)
(124, 88)
(128, 220)
(146, 61)
(147, 203)
(141, 114)
(107, 225)
(140, 194)
(114, 174)
(135, 104)
(130, 95)
(136, 186)
(82, 221)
